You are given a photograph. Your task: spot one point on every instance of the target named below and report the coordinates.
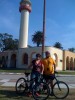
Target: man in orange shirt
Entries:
(49, 68)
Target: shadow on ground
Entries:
(12, 95)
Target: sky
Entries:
(60, 20)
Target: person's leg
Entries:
(31, 83)
(52, 78)
(51, 84)
(46, 80)
(37, 75)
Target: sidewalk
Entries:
(12, 82)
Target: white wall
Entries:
(34, 50)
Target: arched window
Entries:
(74, 63)
(6, 61)
(25, 58)
(67, 63)
(71, 63)
(3, 62)
(13, 61)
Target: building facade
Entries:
(65, 60)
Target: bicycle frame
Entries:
(32, 80)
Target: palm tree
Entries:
(58, 45)
(37, 38)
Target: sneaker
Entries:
(29, 94)
(37, 94)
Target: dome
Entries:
(25, 1)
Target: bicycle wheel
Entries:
(20, 85)
(60, 90)
(41, 91)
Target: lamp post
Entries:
(44, 19)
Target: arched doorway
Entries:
(67, 63)
(6, 61)
(74, 63)
(13, 61)
(25, 59)
(3, 62)
(71, 63)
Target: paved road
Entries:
(9, 79)
(11, 75)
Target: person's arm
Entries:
(42, 69)
(54, 65)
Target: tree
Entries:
(1, 44)
(37, 38)
(7, 42)
(58, 45)
(71, 49)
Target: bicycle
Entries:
(60, 89)
(23, 86)
(39, 87)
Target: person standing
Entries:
(37, 70)
(49, 68)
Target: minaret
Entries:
(25, 9)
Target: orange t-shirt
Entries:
(48, 65)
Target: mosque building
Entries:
(21, 58)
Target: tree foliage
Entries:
(71, 49)
(7, 42)
(58, 45)
(37, 38)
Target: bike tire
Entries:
(60, 90)
(20, 85)
(43, 90)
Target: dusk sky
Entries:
(60, 20)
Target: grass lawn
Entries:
(15, 70)
(67, 72)
(10, 94)
(23, 70)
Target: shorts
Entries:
(47, 77)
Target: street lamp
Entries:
(43, 38)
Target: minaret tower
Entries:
(25, 9)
